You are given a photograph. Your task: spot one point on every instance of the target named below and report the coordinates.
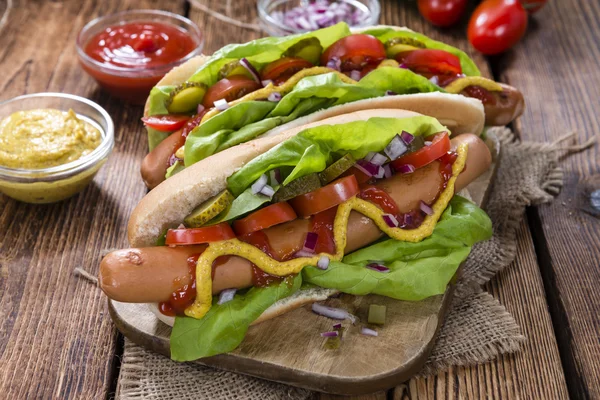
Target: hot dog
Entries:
(316, 71)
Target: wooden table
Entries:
(56, 339)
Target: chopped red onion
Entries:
(226, 295)
(370, 155)
(387, 171)
(267, 191)
(330, 334)
(275, 176)
(246, 64)
(378, 267)
(320, 14)
(259, 184)
(266, 82)
(323, 262)
(181, 226)
(333, 313)
(395, 148)
(405, 169)
(378, 159)
(221, 105)
(310, 243)
(380, 173)
(274, 97)
(426, 208)
(408, 220)
(199, 109)
(403, 66)
(390, 93)
(354, 74)
(334, 63)
(367, 167)
(407, 137)
(390, 220)
(304, 253)
(337, 326)
(428, 143)
(368, 332)
(435, 80)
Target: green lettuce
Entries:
(315, 148)
(224, 327)
(243, 204)
(417, 270)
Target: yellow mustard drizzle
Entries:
(461, 83)
(203, 301)
(264, 93)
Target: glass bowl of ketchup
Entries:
(130, 51)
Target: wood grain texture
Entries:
(556, 66)
(56, 340)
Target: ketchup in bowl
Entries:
(129, 52)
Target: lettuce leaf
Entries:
(314, 148)
(224, 327)
(243, 204)
(386, 33)
(417, 270)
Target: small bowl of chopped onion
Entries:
(286, 17)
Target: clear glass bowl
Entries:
(53, 184)
(274, 27)
(133, 84)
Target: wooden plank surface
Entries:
(56, 339)
(556, 66)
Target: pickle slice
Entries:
(233, 68)
(186, 97)
(209, 209)
(299, 186)
(401, 44)
(336, 169)
(309, 49)
(376, 314)
(389, 63)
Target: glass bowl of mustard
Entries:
(51, 145)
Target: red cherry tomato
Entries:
(430, 61)
(440, 145)
(264, 218)
(166, 123)
(207, 234)
(497, 25)
(355, 52)
(442, 12)
(326, 197)
(280, 70)
(230, 88)
(533, 6)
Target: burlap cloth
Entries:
(477, 329)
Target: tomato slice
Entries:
(230, 88)
(322, 225)
(264, 218)
(355, 52)
(184, 236)
(281, 70)
(440, 145)
(166, 123)
(326, 197)
(183, 134)
(436, 62)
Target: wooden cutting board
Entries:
(289, 349)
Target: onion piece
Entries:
(333, 313)
(199, 109)
(408, 220)
(387, 171)
(395, 148)
(390, 93)
(426, 208)
(275, 177)
(435, 80)
(380, 173)
(266, 82)
(226, 295)
(267, 191)
(390, 220)
(221, 104)
(354, 74)
(370, 156)
(367, 167)
(274, 97)
(323, 262)
(378, 267)
(403, 66)
(405, 169)
(334, 63)
(304, 253)
(320, 14)
(330, 334)
(337, 326)
(259, 184)
(428, 143)
(407, 137)
(246, 64)
(310, 243)
(378, 159)
(368, 332)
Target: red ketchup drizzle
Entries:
(184, 296)
(476, 92)
(322, 225)
(260, 240)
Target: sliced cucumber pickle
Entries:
(376, 314)
(336, 169)
(186, 97)
(388, 63)
(417, 143)
(401, 44)
(309, 49)
(233, 68)
(299, 186)
(209, 209)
